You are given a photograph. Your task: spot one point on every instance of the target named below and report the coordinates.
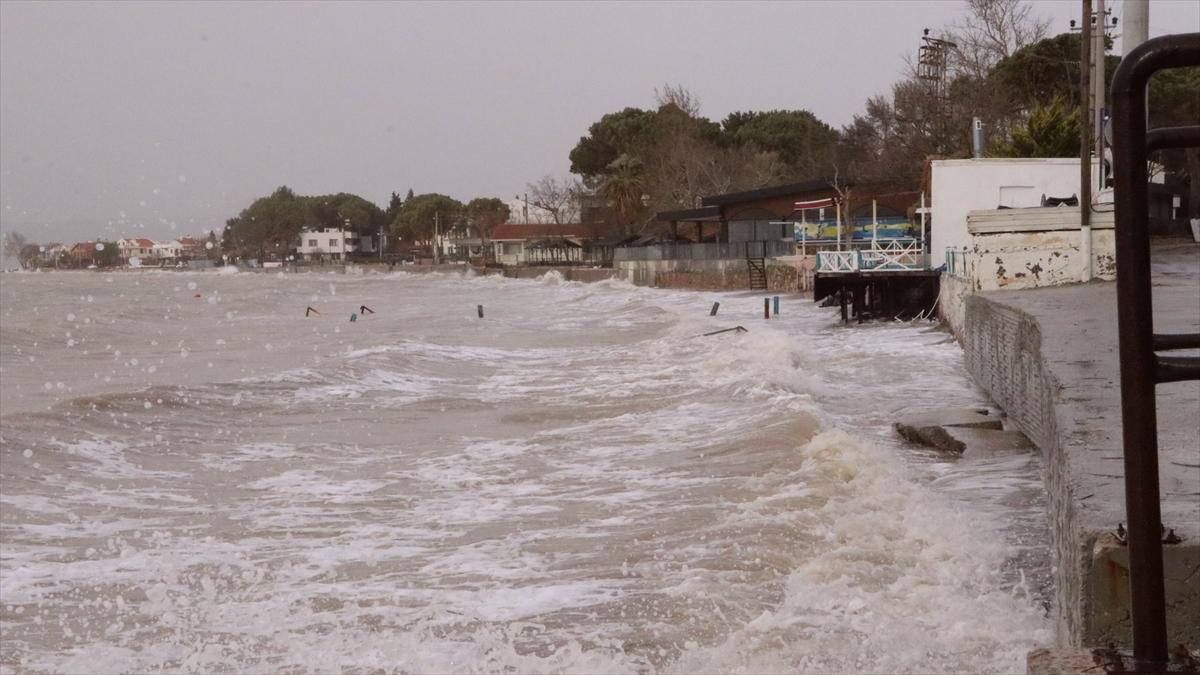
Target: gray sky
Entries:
(123, 119)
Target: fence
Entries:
(738, 250)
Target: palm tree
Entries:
(623, 187)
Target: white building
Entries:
(167, 250)
(332, 244)
(964, 185)
(139, 249)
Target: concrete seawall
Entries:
(1048, 357)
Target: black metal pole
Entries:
(1135, 316)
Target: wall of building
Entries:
(1031, 248)
(963, 185)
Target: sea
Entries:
(357, 473)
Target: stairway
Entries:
(757, 269)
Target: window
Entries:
(333, 242)
(312, 243)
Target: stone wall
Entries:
(1003, 354)
(1065, 401)
(793, 274)
(953, 292)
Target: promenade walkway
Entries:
(1049, 358)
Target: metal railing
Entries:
(1141, 368)
(958, 262)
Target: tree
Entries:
(1051, 131)
(484, 214)
(107, 254)
(393, 207)
(803, 142)
(559, 198)
(1175, 101)
(29, 255)
(416, 219)
(13, 243)
(268, 224)
(618, 133)
(1043, 71)
(991, 31)
(623, 188)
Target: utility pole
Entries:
(1099, 48)
(1085, 144)
(1136, 22)
(436, 222)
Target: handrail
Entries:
(1141, 368)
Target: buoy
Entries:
(714, 309)
(777, 305)
(353, 317)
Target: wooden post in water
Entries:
(766, 308)
(479, 308)
(713, 312)
(776, 305)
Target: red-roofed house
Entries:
(515, 242)
(142, 249)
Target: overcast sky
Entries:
(163, 119)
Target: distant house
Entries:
(193, 248)
(167, 250)
(515, 243)
(142, 249)
(332, 244)
(84, 253)
(51, 253)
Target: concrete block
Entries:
(980, 443)
(1108, 606)
(930, 428)
(1061, 662)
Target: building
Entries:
(193, 248)
(167, 250)
(960, 186)
(139, 249)
(330, 244)
(771, 213)
(516, 243)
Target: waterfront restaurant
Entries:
(770, 213)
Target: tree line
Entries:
(1003, 68)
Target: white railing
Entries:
(894, 254)
(837, 261)
(881, 255)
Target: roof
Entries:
(525, 231)
(807, 186)
(691, 215)
(144, 243)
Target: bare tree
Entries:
(558, 198)
(679, 96)
(991, 31)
